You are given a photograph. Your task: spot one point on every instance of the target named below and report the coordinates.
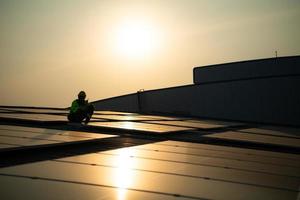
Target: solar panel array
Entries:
(152, 167)
(116, 120)
(162, 170)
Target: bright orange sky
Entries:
(50, 50)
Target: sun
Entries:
(136, 39)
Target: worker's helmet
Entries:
(81, 95)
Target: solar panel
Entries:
(34, 117)
(157, 117)
(33, 136)
(58, 137)
(198, 124)
(182, 169)
(242, 151)
(54, 131)
(17, 141)
(221, 154)
(6, 111)
(138, 126)
(30, 129)
(217, 122)
(211, 162)
(4, 146)
(35, 110)
(234, 135)
(125, 177)
(47, 189)
(105, 112)
(121, 118)
(273, 131)
(150, 168)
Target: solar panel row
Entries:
(150, 171)
(154, 172)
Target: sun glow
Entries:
(136, 39)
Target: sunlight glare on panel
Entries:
(123, 177)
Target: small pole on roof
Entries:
(139, 99)
(276, 54)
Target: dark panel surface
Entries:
(235, 150)
(256, 138)
(23, 136)
(36, 110)
(191, 124)
(53, 131)
(35, 117)
(274, 131)
(221, 154)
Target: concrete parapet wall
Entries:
(262, 99)
(126, 103)
(264, 68)
(274, 100)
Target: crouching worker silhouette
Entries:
(81, 109)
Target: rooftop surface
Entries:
(136, 156)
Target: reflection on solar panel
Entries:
(213, 162)
(181, 169)
(150, 172)
(157, 117)
(119, 117)
(138, 126)
(232, 135)
(104, 112)
(199, 124)
(215, 122)
(21, 136)
(130, 116)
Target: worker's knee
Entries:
(90, 108)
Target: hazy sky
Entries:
(52, 49)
